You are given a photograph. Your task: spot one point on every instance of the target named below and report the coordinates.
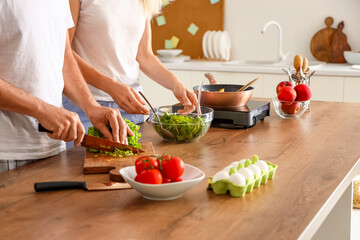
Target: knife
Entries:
(100, 143)
(65, 185)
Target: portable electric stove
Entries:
(241, 117)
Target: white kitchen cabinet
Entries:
(324, 88)
(327, 88)
(351, 89)
(270, 81)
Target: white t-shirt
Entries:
(107, 36)
(32, 47)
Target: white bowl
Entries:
(352, 57)
(168, 191)
(169, 52)
(178, 59)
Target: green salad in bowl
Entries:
(186, 128)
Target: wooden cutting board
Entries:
(101, 163)
(321, 41)
(339, 45)
(329, 44)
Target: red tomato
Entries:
(172, 167)
(177, 180)
(144, 163)
(151, 176)
(166, 180)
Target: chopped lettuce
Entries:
(132, 140)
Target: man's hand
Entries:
(63, 124)
(128, 99)
(101, 117)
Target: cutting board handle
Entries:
(115, 176)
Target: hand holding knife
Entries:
(101, 144)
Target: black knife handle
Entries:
(59, 185)
(42, 129)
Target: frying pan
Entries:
(210, 96)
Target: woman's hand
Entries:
(101, 117)
(186, 98)
(128, 99)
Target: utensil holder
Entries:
(306, 79)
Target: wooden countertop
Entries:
(316, 154)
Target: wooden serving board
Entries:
(101, 163)
(339, 45)
(329, 43)
(321, 41)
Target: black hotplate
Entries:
(241, 117)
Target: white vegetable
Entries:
(220, 175)
(247, 173)
(237, 179)
(262, 164)
(255, 169)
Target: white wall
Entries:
(300, 20)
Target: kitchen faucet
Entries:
(281, 56)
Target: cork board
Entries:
(179, 15)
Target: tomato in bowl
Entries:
(167, 191)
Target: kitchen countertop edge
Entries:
(326, 69)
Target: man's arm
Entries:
(14, 99)
(64, 124)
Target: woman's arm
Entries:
(125, 97)
(77, 91)
(154, 69)
(75, 12)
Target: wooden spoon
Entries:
(246, 85)
(298, 62)
(305, 65)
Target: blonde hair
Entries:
(152, 7)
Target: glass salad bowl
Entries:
(182, 128)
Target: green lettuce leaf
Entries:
(132, 140)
